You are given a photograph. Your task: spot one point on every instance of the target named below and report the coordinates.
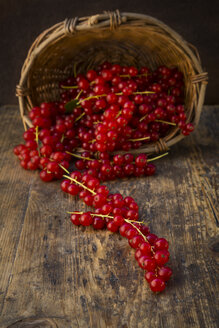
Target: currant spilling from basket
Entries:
(111, 109)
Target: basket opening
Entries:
(128, 45)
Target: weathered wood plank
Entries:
(57, 275)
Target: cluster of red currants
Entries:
(124, 108)
(109, 109)
(119, 214)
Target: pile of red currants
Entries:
(111, 109)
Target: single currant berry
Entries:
(150, 169)
(46, 176)
(64, 185)
(129, 169)
(128, 200)
(161, 243)
(75, 219)
(86, 219)
(128, 158)
(88, 200)
(133, 206)
(76, 175)
(157, 285)
(102, 190)
(119, 220)
(141, 261)
(130, 233)
(149, 264)
(149, 276)
(144, 230)
(98, 223)
(93, 183)
(164, 273)
(141, 160)
(117, 211)
(53, 167)
(151, 238)
(112, 226)
(161, 256)
(99, 200)
(145, 248)
(132, 215)
(73, 189)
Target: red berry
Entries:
(161, 256)
(145, 248)
(99, 200)
(161, 243)
(130, 233)
(157, 285)
(164, 273)
(86, 219)
(141, 160)
(45, 176)
(73, 189)
(149, 276)
(64, 185)
(75, 219)
(112, 226)
(98, 223)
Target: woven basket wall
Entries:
(125, 38)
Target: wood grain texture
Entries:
(57, 275)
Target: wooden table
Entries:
(56, 275)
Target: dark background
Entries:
(23, 20)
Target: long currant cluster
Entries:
(111, 109)
(118, 214)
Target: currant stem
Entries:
(118, 114)
(92, 97)
(75, 69)
(62, 139)
(117, 94)
(62, 167)
(166, 122)
(136, 229)
(79, 117)
(93, 214)
(157, 157)
(78, 156)
(69, 87)
(78, 95)
(139, 139)
(143, 117)
(80, 184)
(37, 140)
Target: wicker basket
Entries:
(125, 38)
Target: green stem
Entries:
(79, 117)
(69, 87)
(139, 139)
(166, 122)
(78, 156)
(37, 140)
(143, 117)
(136, 229)
(157, 157)
(62, 167)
